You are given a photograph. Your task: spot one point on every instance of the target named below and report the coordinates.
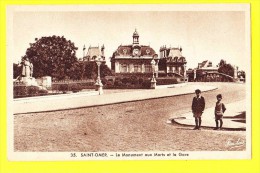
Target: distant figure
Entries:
(219, 111)
(26, 68)
(198, 106)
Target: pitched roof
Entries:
(93, 51)
(127, 50)
(174, 52)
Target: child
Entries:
(219, 111)
(198, 106)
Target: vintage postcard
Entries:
(129, 82)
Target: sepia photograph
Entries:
(129, 82)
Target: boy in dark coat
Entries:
(198, 106)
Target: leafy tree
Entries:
(53, 56)
(105, 70)
(226, 68)
(77, 71)
(91, 69)
(241, 73)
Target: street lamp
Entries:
(157, 68)
(153, 81)
(98, 84)
(184, 73)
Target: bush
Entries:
(32, 90)
(20, 91)
(75, 87)
(64, 88)
(42, 92)
(125, 80)
(28, 91)
(87, 85)
(146, 84)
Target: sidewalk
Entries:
(88, 99)
(230, 119)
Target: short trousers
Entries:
(218, 116)
(197, 114)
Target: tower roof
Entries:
(135, 34)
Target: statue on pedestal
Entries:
(27, 68)
(26, 72)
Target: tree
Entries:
(242, 74)
(226, 68)
(52, 56)
(77, 71)
(91, 69)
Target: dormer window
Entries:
(125, 51)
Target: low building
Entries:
(202, 69)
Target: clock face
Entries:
(136, 51)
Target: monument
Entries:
(27, 72)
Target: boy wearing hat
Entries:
(198, 106)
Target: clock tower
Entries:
(135, 38)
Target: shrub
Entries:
(125, 80)
(20, 91)
(146, 84)
(104, 81)
(64, 88)
(43, 92)
(32, 90)
(28, 91)
(75, 87)
(140, 80)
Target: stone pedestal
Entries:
(153, 83)
(46, 81)
(29, 81)
(99, 88)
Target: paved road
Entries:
(88, 99)
(130, 126)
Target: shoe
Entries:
(198, 128)
(216, 128)
(195, 128)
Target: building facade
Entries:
(133, 58)
(172, 63)
(203, 68)
(93, 53)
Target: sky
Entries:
(203, 35)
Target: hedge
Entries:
(28, 91)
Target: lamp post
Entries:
(157, 68)
(98, 84)
(184, 73)
(153, 81)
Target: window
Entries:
(125, 51)
(148, 68)
(137, 68)
(170, 69)
(123, 68)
